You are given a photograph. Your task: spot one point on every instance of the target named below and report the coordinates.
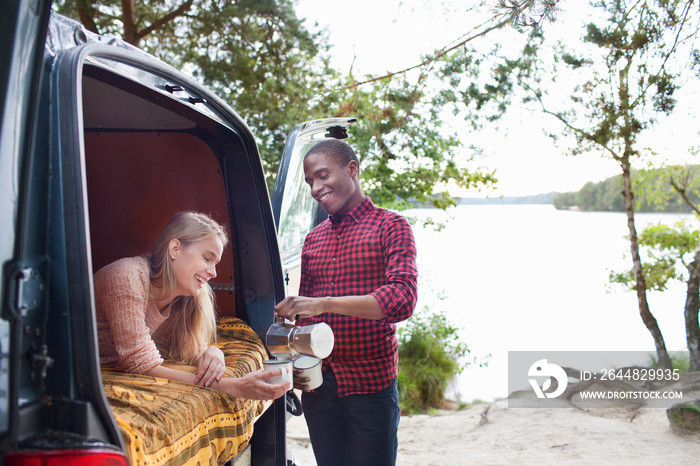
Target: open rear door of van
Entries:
(23, 26)
(296, 212)
(47, 413)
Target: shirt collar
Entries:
(355, 215)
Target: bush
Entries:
(430, 357)
(679, 360)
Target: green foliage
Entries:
(261, 58)
(574, 62)
(669, 186)
(637, 55)
(431, 355)
(663, 240)
(679, 360)
(653, 192)
(405, 153)
(667, 248)
(257, 55)
(605, 196)
(604, 90)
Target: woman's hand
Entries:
(211, 367)
(254, 386)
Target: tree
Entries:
(405, 152)
(684, 181)
(263, 61)
(667, 247)
(675, 244)
(692, 306)
(257, 55)
(656, 190)
(409, 156)
(604, 93)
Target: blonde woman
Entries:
(165, 297)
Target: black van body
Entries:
(100, 145)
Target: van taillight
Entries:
(65, 458)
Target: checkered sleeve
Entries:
(397, 298)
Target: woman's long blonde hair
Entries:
(191, 326)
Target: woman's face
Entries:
(194, 264)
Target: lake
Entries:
(532, 278)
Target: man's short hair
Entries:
(339, 151)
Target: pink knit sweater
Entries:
(127, 316)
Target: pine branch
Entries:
(180, 11)
(510, 18)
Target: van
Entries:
(100, 144)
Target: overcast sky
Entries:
(376, 36)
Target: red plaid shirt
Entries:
(369, 250)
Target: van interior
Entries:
(151, 154)
(146, 159)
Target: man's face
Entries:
(335, 187)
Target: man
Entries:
(358, 275)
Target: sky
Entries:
(377, 36)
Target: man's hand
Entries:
(300, 383)
(300, 306)
(211, 367)
(364, 307)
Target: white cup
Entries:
(310, 368)
(286, 366)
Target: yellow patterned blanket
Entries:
(164, 422)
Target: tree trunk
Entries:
(86, 14)
(649, 320)
(692, 306)
(129, 21)
(640, 281)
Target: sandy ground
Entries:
(493, 434)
